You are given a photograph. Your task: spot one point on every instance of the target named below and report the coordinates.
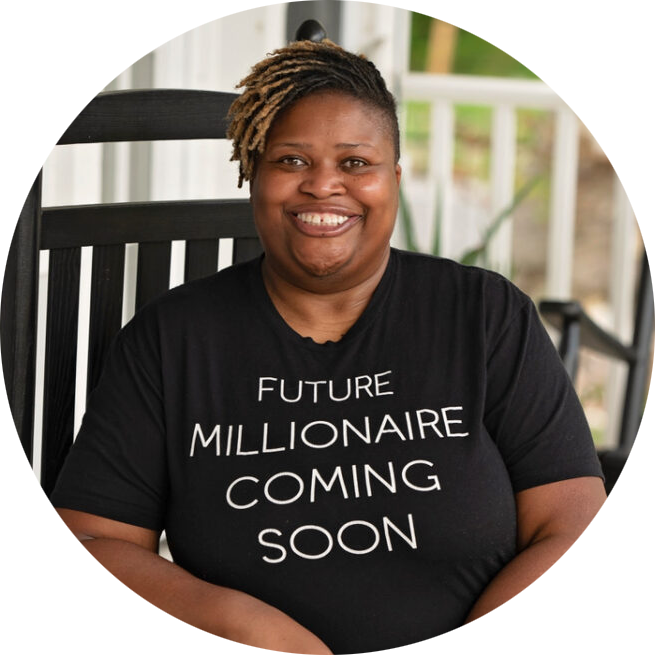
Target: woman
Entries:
(350, 448)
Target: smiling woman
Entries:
(350, 448)
(325, 196)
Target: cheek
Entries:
(378, 193)
(266, 193)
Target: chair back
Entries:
(134, 115)
(639, 364)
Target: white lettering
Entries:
(345, 539)
(228, 493)
(336, 475)
(390, 485)
(316, 383)
(432, 424)
(387, 524)
(198, 433)
(285, 501)
(262, 388)
(354, 551)
(290, 400)
(335, 434)
(243, 452)
(382, 383)
(435, 480)
(383, 429)
(304, 528)
(270, 560)
(364, 436)
(447, 421)
(331, 391)
(363, 383)
(265, 448)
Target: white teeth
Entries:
(322, 219)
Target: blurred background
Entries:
(497, 170)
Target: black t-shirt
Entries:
(366, 486)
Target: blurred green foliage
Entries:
(472, 56)
(499, 37)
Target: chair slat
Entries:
(151, 115)
(106, 306)
(153, 271)
(60, 361)
(143, 222)
(201, 259)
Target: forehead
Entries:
(329, 113)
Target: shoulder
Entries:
(225, 285)
(200, 302)
(453, 282)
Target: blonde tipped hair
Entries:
(291, 73)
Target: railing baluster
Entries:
(442, 140)
(503, 168)
(561, 224)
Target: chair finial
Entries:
(311, 30)
(27, 43)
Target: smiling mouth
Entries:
(315, 218)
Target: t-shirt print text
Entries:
(354, 481)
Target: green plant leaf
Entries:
(472, 256)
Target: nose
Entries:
(323, 180)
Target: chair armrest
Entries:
(614, 611)
(561, 314)
(88, 638)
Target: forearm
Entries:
(538, 603)
(122, 583)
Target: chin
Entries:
(323, 268)
(324, 264)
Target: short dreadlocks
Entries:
(293, 72)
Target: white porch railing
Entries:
(505, 97)
(566, 100)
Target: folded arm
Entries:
(130, 554)
(538, 603)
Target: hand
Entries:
(259, 624)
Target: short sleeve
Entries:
(532, 410)
(117, 467)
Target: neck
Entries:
(323, 310)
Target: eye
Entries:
(354, 162)
(293, 161)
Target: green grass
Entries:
(639, 556)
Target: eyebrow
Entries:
(289, 144)
(355, 145)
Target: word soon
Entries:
(344, 539)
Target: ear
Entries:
(398, 173)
